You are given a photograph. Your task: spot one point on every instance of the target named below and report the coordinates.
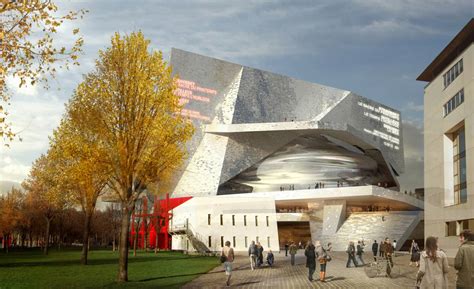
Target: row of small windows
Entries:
(233, 220)
(452, 73)
(454, 228)
(454, 102)
(234, 241)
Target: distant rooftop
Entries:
(460, 42)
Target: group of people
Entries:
(292, 210)
(317, 254)
(433, 264)
(256, 255)
(354, 253)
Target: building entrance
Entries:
(293, 231)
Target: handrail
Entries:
(190, 232)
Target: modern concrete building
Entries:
(279, 159)
(449, 140)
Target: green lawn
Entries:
(31, 269)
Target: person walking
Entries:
(351, 254)
(415, 253)
(375, 248)
(293, 250)
(323, 258)
(228, 253)
(270, 258)
(253, 253)
(382, 249)
(360, 251)
(310, 254)
(260, 254)
(286, 249)
(433, 270)
(388, 251)
(394, 245)
(464, 261)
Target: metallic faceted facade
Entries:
(257, 131)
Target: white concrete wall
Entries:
(196, 212)
(438, 164)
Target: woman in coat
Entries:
(415, 253)
(322, 259)
(310, 259)
(433, 266)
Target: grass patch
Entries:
(61, 269)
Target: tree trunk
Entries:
(85, 238)
(123, 245)
(157, 230)
(145, 235)
(7, 243)
(46, 245)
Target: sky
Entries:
(375, 48)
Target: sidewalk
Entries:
(283, 275)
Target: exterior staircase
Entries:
(194, 238)
(370, 226)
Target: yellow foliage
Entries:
(27, 47)
(129, 107)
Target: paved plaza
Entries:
(283, 275)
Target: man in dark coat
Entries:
(260, 254)
(286, 249)
(351, 254)
(310, 259)
(375, 248)
(360, 251)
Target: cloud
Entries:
(11, 170)
(13, 83)
(414, 107)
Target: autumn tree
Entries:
(79, 169)
(42, 183)
(10, 206)
(28, 49)
(128, 103)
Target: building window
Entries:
(233, 241)
(268, 222)
(209, 242)
(245, 220)
(452, 73)
(233, 220)
(246, 242)
(209, 219)
(257, 239)
(222, 241)
(453, 103)
(459, 166)
(256, 221)
(467, 224)
(451, 228)
(268, 242)
(222, 220)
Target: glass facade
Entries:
(459, 166)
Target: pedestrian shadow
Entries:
(246, 283)
(332, 278)
(174, 276)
